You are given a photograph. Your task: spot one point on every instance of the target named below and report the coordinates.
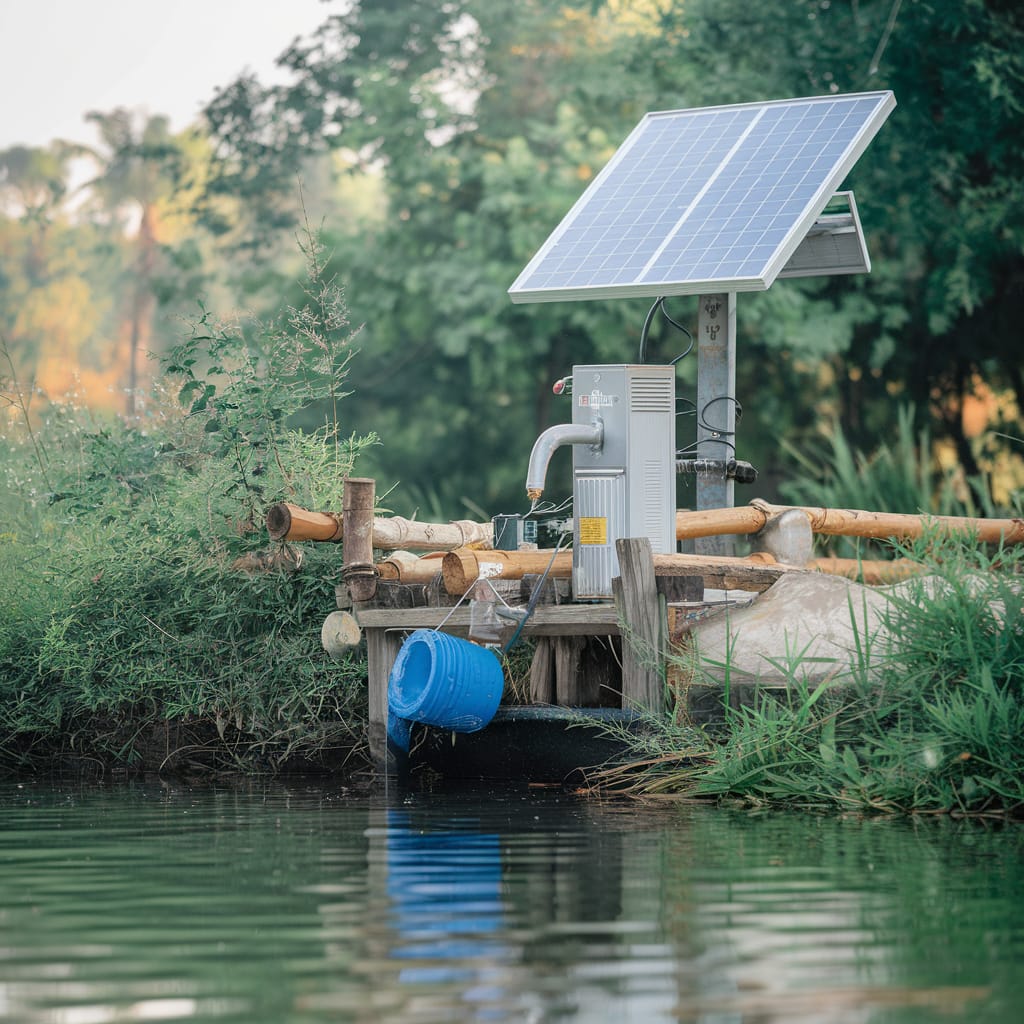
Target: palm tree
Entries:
(142, 168)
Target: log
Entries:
(290, 522)
(339, 634)
(846, 522)
(462, 567)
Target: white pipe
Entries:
(552, 438)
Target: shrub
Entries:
(130, 630)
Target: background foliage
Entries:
(144, 622)
(439, 144)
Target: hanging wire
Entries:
(689, 410)
(722, 436)
(659, 303)
(702, 419)
(535, 596)
(549, 508)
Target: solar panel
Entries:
(705, 200)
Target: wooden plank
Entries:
(546, 620)
(680, 588)
(755, 573)
(639, 607)
(542, 672)
(567, 671)
(601, 672)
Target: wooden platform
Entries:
(387, 628)
(580, 660)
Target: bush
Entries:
(133, 628)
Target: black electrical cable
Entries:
(659, 303)
(642, 353)
(720, 398)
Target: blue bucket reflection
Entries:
(446, 902)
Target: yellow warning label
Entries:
(593, 530)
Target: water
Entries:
(294, 902)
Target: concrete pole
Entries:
(716, 410)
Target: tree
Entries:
(49, 306)
(939, 189)
(483, 120)
(140, 171)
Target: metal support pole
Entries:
(716, 408)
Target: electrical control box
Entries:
(624, 487)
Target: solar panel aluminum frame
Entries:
(835, 244)
(796, 234)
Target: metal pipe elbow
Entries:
(552, 438)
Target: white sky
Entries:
(60, 59)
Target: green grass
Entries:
(933, 722)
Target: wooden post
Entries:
(357, 539)
(542, 685)
(382, 647)
(639, 608)
(567, 671)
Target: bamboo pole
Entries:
(405, 567)
(873, 573)
(846, 522)
(290, 522)
(462, 567)
(357, 547)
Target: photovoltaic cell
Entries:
(712, 199)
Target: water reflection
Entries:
(445, 892)
(292, 903)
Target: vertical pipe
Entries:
(357, 539)
(716, 408)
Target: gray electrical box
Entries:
(624, 487)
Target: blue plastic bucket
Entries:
(445, 681)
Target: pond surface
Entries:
(301, 902)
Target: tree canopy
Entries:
(439, 144)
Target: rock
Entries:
(826, 623)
